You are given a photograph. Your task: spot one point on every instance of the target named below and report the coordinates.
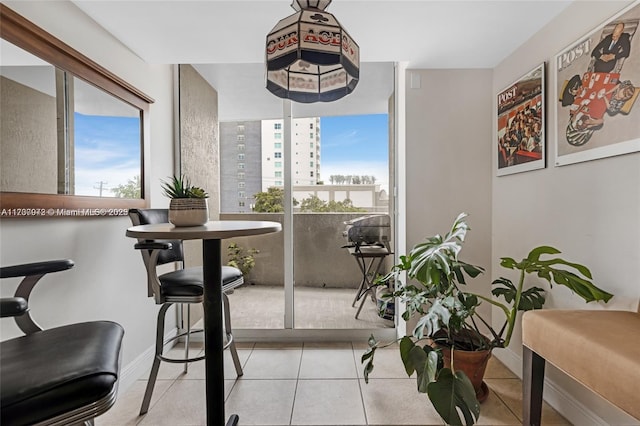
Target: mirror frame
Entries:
(25, 34)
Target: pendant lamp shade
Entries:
(310, 57)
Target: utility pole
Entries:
(101, 186)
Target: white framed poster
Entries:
(521, 124)
(596, 90)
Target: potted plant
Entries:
(241, 260)
(188, 205)
(449, 322)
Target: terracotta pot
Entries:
(474, 364)
(188, 211)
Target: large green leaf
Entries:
(531, 298)
(406, 345)
(578, 281)
(535, 254)
(418, 360)
(452, 395)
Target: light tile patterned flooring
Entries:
(310, 384)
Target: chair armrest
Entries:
(153, 250)
(32, 273)
(153, 245)
(13, 306)
(36, 268)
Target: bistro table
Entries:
(211, 235)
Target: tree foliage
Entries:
(129, 190)
(352, 179)
(272, 201)
(315, 204)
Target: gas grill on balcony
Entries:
(374, 229)
(368, 241)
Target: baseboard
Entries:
(133, 371)
(572, 410)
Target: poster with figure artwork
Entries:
(597, 86)
(521, 138)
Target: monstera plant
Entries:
(447, 331)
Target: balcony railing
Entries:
(319, 259)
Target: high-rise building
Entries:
(305, 149)
(252, 159)
(240, 169)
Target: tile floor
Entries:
(310, 384)
(261, 306)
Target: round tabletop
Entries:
(212, 230)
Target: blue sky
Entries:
(350, 145)
(355, 145)
(107, 149)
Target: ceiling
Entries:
(225, 40)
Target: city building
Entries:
(240, 168)
(305, 147)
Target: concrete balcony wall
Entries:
(319, 259)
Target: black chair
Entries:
(59, 376)
(182, 286)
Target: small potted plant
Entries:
(238, 258)
(450, 365)
(188, 205)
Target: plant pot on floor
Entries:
(474, 364)
(188, 211)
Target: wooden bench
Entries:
(599, 349)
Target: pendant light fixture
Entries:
(310, 57)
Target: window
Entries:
(277, 155)
(241, 185)
(311, 145)
(277, 145)
(277, 126)
(241, 156)
(278, 164)
(240, 203)
(241, 166)
(240, 138)
(311, 125)
(278, 183)
(311, 173)
(278, 174)
(277, 135)
(311, 135)
(240, 175)
(241, 194)
(310, 163)
(240, 128)
(310, 154)
(241, 147)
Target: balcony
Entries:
(326, 277)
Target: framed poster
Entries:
(521, 136)
(596, 92)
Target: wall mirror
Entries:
(72, 134)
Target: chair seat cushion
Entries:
(188, 282)
(600, 349)
(55, 371)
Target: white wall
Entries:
(108, 281)
(590, 211)
(448, 160)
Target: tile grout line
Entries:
(238, 378)
(504, 402)
(364, 407)
(295, 391)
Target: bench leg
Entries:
(532, 386)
